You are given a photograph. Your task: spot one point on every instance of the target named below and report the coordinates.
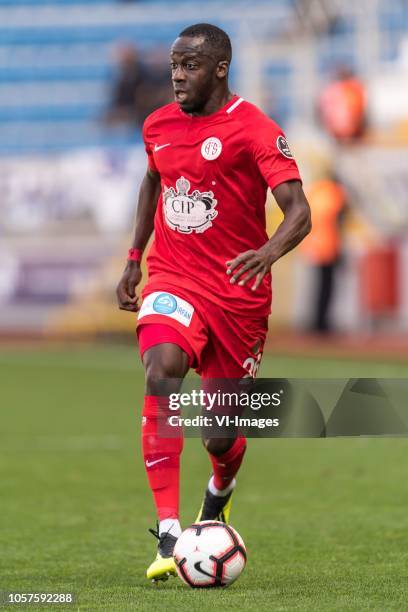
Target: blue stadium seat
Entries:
(54, 78)
(52, 2)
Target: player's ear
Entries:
(222, 69)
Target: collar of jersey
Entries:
(220, 111)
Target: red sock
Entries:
(162, 455)
(226, 466)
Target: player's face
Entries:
(194, 73)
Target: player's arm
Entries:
(295, 226)
(146, 208)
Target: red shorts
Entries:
(223, 344)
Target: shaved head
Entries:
(216, 40)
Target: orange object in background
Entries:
(327, 199)
(379, 281)
(342, 108)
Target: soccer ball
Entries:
(209, 554)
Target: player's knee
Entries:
(161, 367)
(159, 371)
(218, 446)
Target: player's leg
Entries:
(165, 364)
(226, 455)
(234, 352)
(169, 344)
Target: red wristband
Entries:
(135, 255)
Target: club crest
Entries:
(187, 213)
(211, 148)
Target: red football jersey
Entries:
(215, 171)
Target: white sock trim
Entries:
(171, 526)
(221, 492)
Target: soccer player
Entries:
(211, 157)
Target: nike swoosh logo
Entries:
(150, 463)
(198, 567)
(158, 147)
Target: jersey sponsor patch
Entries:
(211, 148)
(187, 212)
(168, 304)
(283, 147)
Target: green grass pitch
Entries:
(325, 521)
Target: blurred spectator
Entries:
(322, 247)
(342, 106)
(137, 90)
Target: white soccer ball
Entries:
(209, 554)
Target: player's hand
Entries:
(250, 263)
(126, 289)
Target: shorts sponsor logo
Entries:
(165, 303)
(283, 147)
(211, 148)
(169, 305)
(188, 212)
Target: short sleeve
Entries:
(148, 148)
(273, 155)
